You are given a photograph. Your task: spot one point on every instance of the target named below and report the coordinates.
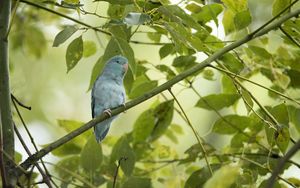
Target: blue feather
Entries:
(108, 92)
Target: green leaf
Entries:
(227, 85)
(166, 69)
(208, 12)
(294, 115)
(232, 124)
(228, 21)
(217, 101)
(69, 148)
(122, 149)
(75, 145)
(18, 157)
(136, 18)
(242, 19)
(137, 182)
(238, 140)
(279, 5)
(64, 35)
(163, 117)
(295, 78)
(208, 74)
(223, 177)
(282, 138)
(236, 5)
(74, 53)
(166, 50)
(247, 101)
(143, 126)
(91, 155)
(232, 63)
(89, 48)
(264, 184)
(176, 14)
(280, 113)
(199, 177)
(184, 62)
(97, 69)
(68, 164)
(142, 88)
(261, 52)
(71, 125)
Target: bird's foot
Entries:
(108, 112)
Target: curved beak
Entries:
(125, 67)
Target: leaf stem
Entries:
(195, 133)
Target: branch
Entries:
(281, 163)
(64, 16)
(289, 37)
(6, 124)
(117, 170)
(35, 157)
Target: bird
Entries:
(108, 92)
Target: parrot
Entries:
(108, 92)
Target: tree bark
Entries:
(6, 131)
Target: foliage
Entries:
(257, 138)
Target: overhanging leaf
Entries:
(74, 53)
(64, 35)
(91, 155)
(163, 117)
(217, 101)
(122, 149)
(231, 124)
(143, 126)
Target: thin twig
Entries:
(117, 170)
(46, 180)
(194, 131)
(19, 103)
(45, 174)
(63, 15)
(289, 36)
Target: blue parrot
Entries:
(108, 92)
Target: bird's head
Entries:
(117, 65)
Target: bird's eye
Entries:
(117, 61)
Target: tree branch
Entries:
(64, 16)
(281, 163)
(35, 157)
(7, 130)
